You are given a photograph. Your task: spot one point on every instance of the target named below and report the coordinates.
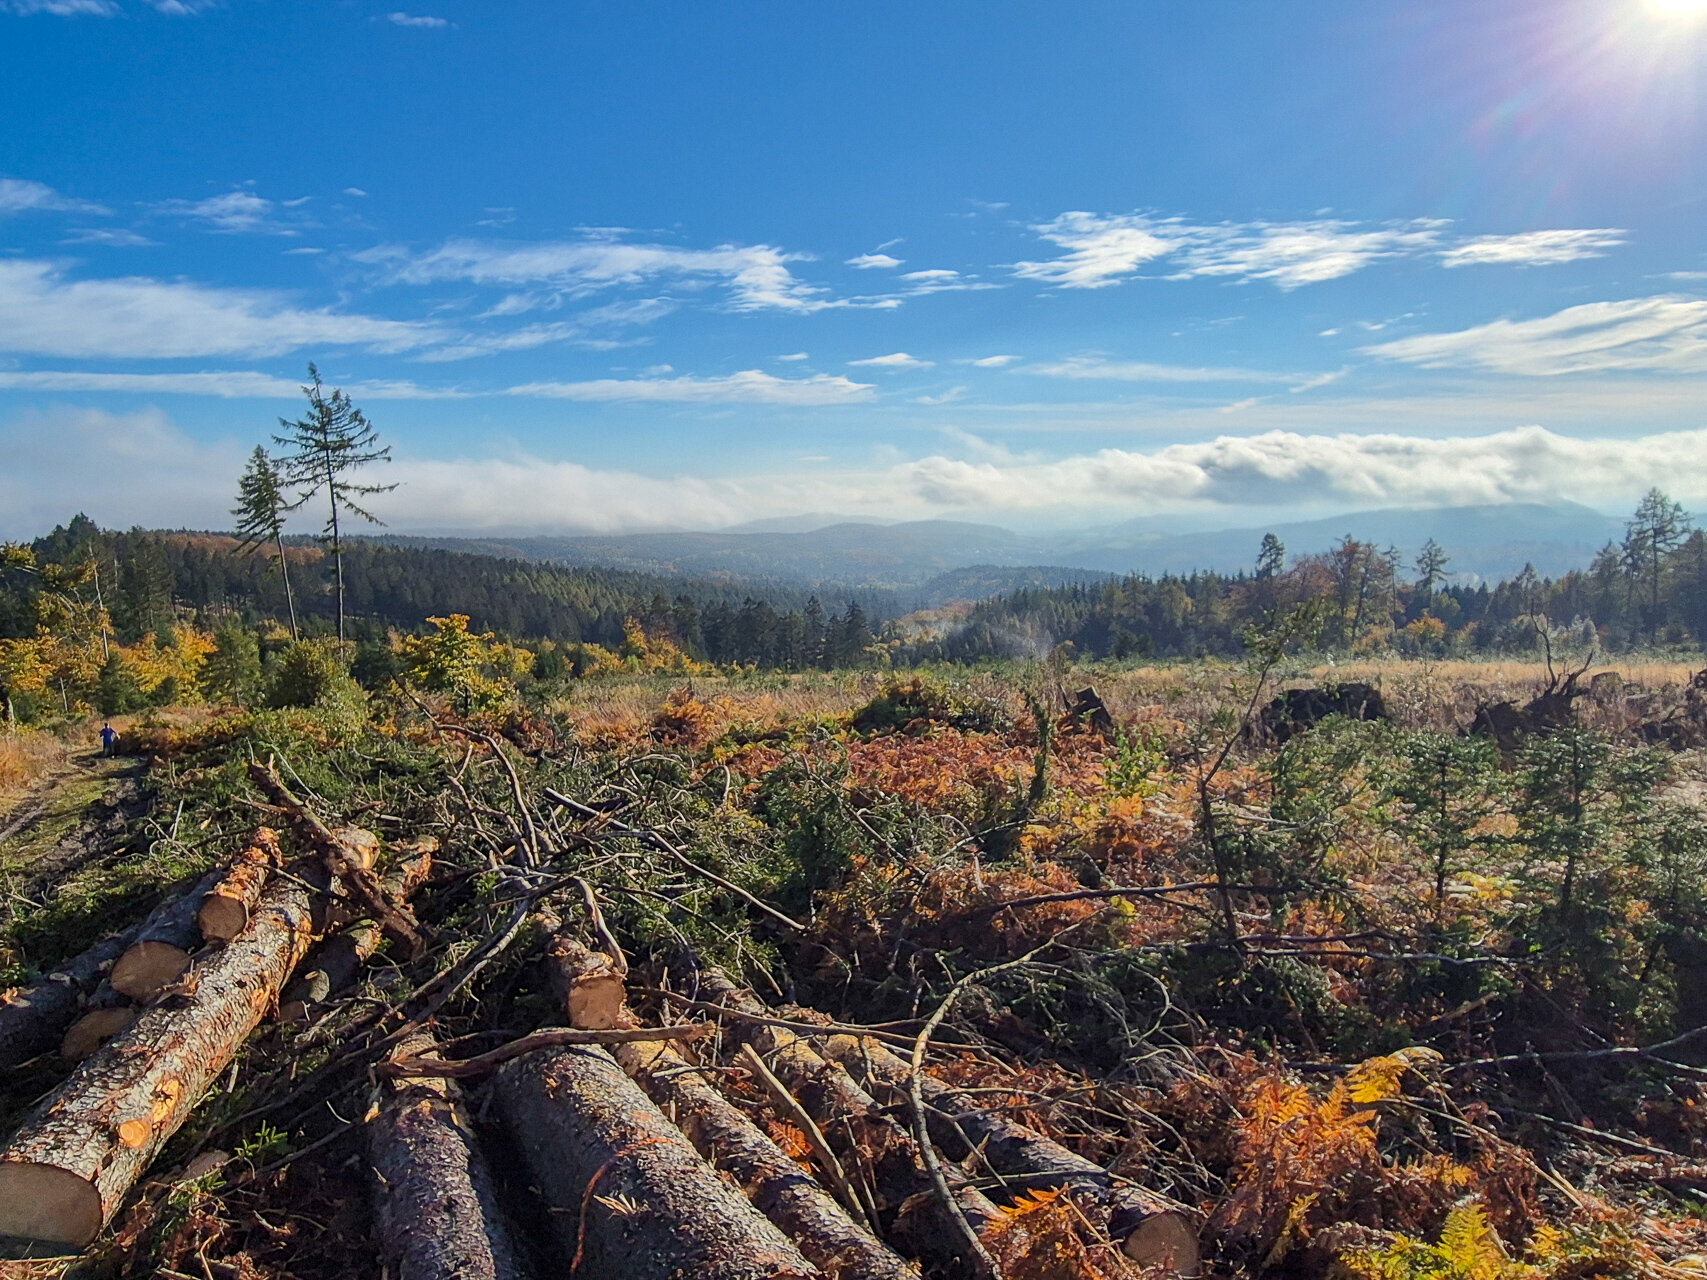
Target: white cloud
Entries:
(1292, 254)
(114, 237)
(1320, 380)
(991, 362)
(1533, 248)
(230, 385)
(795, 355)
(750, 386)
(1101, 250)
(937, 273)
(581, 331)
(947, 397)
(894, 360)
(123, 469)
(1668, 332)
(234, 212)
(63, 8)
(1104, 249)
(21, 195)
(357, 192)
(1095, 367)
(422, 21)
(1279, 468)
(139, 469)
(757, 276)
(872, 261)
(43, 313)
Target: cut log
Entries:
(225, 909)
(776, 1184)
(94, 1029)
(160, 953)
(586, 982)
(865, 1135)
(334, 965)
(345, 863)
(628, 1195)
(77, 1153)
(33, 1018)
(435, 1210)
(779, 1187)
(1152, 1229)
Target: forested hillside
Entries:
(1649, 589)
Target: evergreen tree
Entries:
(260, 517)
(1271, 557)
(1431, 568)
(328, 445)
(1659, 527)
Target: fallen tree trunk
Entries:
(1152, 1229)
(351, 866)
(779, 1187)
(68, 1167)
(334, 964)
(226, 907)
(33, 1018)
(159, 954)
(628, 1196)
(435, 1210)
(865, 1134)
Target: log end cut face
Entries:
(1164, 1240)
(47, 1204)
(146, 969)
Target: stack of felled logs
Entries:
(184, 990)
(637, 1153)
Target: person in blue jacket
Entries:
(109, 740)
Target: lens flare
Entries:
(1679, 8)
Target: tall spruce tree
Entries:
(1659, 527)
(1431, 568)
(327, 447)
(260, 510)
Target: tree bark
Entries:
(226, 908)
(865, 1135)
(589, 988)
(629, 1197)
(32, 1017)
(351, 864)
(779, 1187)
(159, 953)
(333, 965)
(435, 1209)
(94, 1029)
(67, 1169)
(1151, 1228)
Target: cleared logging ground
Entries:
(1385, 999)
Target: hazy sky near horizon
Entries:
(618, 266)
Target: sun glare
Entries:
(1679, 8)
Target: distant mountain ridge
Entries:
(924, 559)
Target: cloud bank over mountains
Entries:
(139, 468)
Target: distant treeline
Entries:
(1650, 589)
(147, 580)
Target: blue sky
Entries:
(640, 265)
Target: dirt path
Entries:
(69, 817)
